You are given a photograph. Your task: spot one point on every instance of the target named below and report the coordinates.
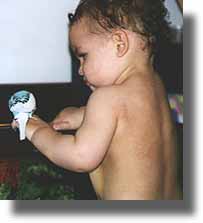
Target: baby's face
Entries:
(97, 55)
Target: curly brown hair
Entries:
(146, 17)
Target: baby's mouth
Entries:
(86, 81)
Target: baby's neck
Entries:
(133, 70)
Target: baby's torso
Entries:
(141, 160)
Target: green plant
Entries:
(39, 180)
(5, 191)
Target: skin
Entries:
(125, 138)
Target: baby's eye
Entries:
(82, 55)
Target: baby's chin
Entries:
(90, 86)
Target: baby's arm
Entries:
(84, 151)
(69, 118)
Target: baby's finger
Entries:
(35, 117)
(14, 124)
(60, 125)
(57, 119)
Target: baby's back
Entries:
(141, 160)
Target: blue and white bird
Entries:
(22, 104)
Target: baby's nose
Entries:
(80, 71)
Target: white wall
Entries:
(34, 43)
(175, 16)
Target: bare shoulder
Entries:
(104, 92)
(143, 97)
(139, 90)
(104, 97)
(137, 94)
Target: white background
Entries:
(34, 41)
(175, 17)
(7, 213)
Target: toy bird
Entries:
(22, 104)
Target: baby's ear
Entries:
(121, 42)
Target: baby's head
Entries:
(145, 17)
(143, 20)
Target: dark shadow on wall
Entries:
(169, 63)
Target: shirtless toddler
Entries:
(125, 137)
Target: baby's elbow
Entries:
(86, 163)
(78, 164)
(86, 167)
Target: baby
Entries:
(125, 137)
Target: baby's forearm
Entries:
(69, 118)
(60, 149)
(74, 116)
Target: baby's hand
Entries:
(68, 118)
(14, 124)
(34, 124)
